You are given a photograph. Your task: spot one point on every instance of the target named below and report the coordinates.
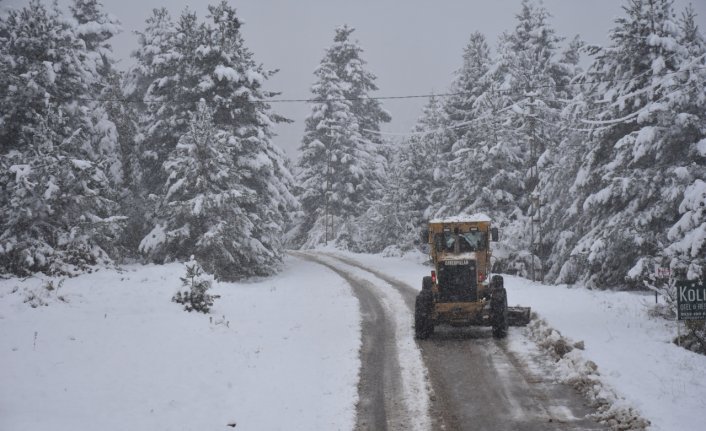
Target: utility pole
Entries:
(326, 194)
(535, 210)
(327, 214)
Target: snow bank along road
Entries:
(466, 381)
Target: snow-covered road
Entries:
(639, 371)
(476, 381)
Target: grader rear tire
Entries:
(498, 307)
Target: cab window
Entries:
(472, 241)
(445, 241)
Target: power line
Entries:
(603, 123)
(460, 93)
(402, 97)
(459, 126)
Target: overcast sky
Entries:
(413, 46)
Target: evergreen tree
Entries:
(202, 211)
(512, 107)
(95, 28)
(465, 155)
(238, 97)
(686, 253)
(58, 211)
(131, 194)
(143, 141)
(211, 62)
(341, 168)
(424, 161)
(195, 296)
(646, 124)
(43, 67)
(330, 176)
(391, 225)
(557, 170)
(468, 85)
(346, 56)
(160, 74)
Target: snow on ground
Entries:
(634, 353)
(280, 353)
(276, 354)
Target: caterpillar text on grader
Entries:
(458, 292)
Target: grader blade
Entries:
(518, 316)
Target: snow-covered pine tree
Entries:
(131, 194)
(155, 46)
(196, 284)
(347, 56)
(329, 175)
(570, 58)
(557, 168)
(686, 252)
(238, 96)
(213, 64)
(57, 214)
(466, 156)
(515, 108)
(141, 153)
(424, 158)
(44, 67)
(58, 211)
(95, 28)
(468, 84)
(341, 168)
(390, 225)
(165, 62)
(109, 123)
(644, 140)
(201, 213)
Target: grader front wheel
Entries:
(423, 325)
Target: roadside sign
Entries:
(691, 300)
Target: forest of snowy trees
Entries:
(594, 175)
(170, 159)
(590, 159)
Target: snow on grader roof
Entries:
(465, 218)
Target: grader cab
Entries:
(460, 290)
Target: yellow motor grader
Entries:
(459, 291)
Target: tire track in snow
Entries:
(415, 388)
(380, 389)
(439, 416)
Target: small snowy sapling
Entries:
(196, 297)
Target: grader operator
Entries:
(458, 292)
